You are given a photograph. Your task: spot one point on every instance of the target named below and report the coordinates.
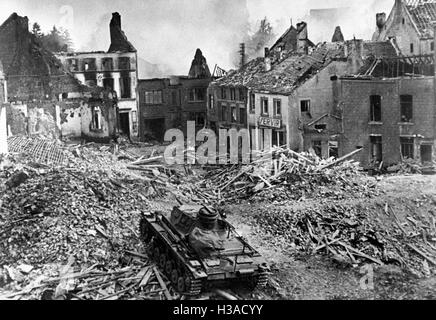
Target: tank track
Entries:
(182, 280)
(262, 279)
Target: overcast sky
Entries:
(169, 31)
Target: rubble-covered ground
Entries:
(69, 218)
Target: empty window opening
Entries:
(224, 113)
(375, 109)
(264, 102)
(124, 63)
(277, 107)
(135, 120)
(96, 119)
(243, 115)
(252, 103)
(91, 79)
(234, 115)
(89, 64)
(108, 83)
(407, 148)
(411, 48)
(376, 149)
(241, 94)
(320, 126)
(196, 94)
(406, 103)
(305, 106)
(223, 93)
(232, 94)
(426, 153)
(432, 46)
(333, 149)
(317, 147)
(125, 88)
(107, 64)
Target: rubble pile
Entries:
(54, 213)
(354, 233)
(292, 176)
(411, 166)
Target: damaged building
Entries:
(409, 26)
(289, 99)
(3, 101)
(115, 70)
(44, 98)
(168, 103)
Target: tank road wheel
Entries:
(169, 267)
(174, 277)
(181, 284)
(156, 253)
(145, 231)
(162, 261)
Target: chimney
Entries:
(242, 53)
(398, 11)
(302, 38)
(115, 26)
(338, 36)
(380, 20)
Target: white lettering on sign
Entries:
(270, 122)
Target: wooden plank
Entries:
(411, 246)
(162, 284)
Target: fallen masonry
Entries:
(69, 224)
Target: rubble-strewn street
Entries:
(70, 230)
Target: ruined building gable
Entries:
(199, 67)
(119, 41)
(32, 71)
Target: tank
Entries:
(195, 246)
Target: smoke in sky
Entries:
(168, 32)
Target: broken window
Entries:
(305, 106)
(107, 64)
(96, 118)
(72, 64)
(375, 109)
(124, 63)
(407, 148)
(200, 119)
(406, 103)
(333, 149)
(277, 107)
(264, 103)
(376, 148)
(91, 79)
(320, 126)
(317, 147)
(153, 97)
(232, 94)
(243, 115)
(234, 115)
(174, 97)
(211, 101)
(241, 94)
(252, 103)
(196, 94)
(89, 64)
(224, 113)
(223, 93)
(135, 120)
(108, 83)
(125, 88)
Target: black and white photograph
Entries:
(228, 151)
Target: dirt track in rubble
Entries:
(296, 275)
